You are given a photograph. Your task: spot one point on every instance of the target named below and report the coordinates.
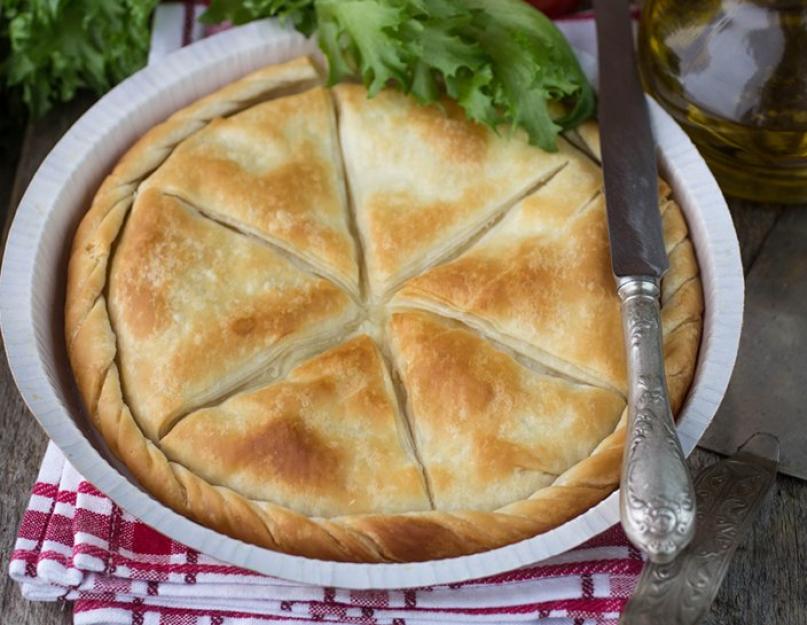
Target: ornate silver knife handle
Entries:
(657, 499)
(729, 495)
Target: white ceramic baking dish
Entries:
(32, 296)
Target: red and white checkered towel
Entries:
(75, 544)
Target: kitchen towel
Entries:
(75, 544)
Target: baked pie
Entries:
(360, 329)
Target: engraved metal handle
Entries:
(657, 500)
(729, 494)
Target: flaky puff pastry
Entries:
(491, 430)
(541, 282)
(134, 270)
(424, 179)
(325, 430)
(199, 309)
(273, 170)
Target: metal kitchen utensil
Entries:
(657, 501)
(773, 350)
(729, 493)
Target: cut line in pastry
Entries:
(274, 170)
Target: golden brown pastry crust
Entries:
(273, 170)
(178, 350)
(491, 430)
(93, 350)
(299, 435)
(542, 284)
(424, 179)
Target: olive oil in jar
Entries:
(733, 73)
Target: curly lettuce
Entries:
(56, 47)
(504, 62)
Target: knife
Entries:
(657, 501)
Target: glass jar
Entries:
(733, 73)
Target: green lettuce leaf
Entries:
(59, 46)
(503, 61)
(301, 13)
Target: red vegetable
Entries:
(555, 8)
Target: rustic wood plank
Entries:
(765, 582)
(766, 579)
(23, 442)
(753, 223)
(39, 140)
(20, 455)
(12, 129)
(773, 349)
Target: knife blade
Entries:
(628, 150)
(657, 501)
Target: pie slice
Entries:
(294, 442)
(541, 282)
(198, 309)
(489, 429)
(273, 170)
(424, 179)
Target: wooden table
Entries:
(767, 582)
